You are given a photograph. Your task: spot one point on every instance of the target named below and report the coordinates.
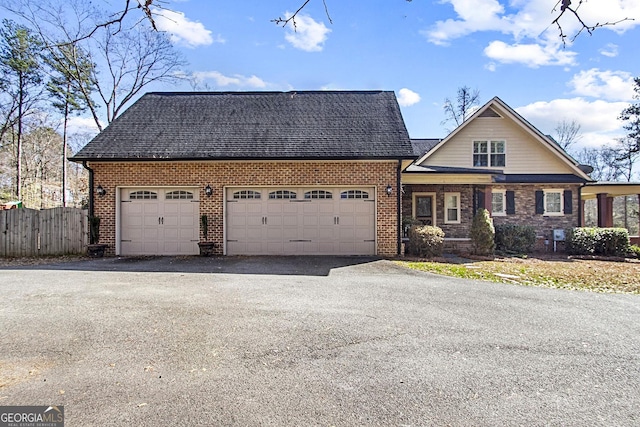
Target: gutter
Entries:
(91, 201)
(399, 204)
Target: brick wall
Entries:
(525, 208)
(221, 174)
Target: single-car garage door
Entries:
(300, 221)
(159, 221)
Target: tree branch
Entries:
(565, 5)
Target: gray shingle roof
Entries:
(423, 145)
(255, 125)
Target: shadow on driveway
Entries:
(267, 265)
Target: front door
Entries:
(424, 208)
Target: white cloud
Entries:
(611, 85)
(598, 119)
(610, 50)
(407, 97)
(235, 80)
(528, 18)
(182, 30)
(82, 126)
(307, 34)
(532, 55)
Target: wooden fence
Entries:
(29, 232)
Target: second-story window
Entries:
(489, 153)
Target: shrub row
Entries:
(598, 241)
(516, 239)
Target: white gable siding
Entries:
(524, 153)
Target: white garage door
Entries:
(300, 221)
(159, 221)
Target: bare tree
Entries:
(565, 6)
(603, 161)
(567, 133)
(466, 101)
(128, 62)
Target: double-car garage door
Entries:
(258, 221)
(300, 221)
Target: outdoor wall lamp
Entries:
(100, 191)
(208, 190)
(389, 190)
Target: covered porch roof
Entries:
(611, 189)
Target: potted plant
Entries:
(206, 248)
(95, 249)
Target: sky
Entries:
(422, 50)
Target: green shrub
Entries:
(635, 250)
(598, 241)
(482, 233)
(426, 240)
(518, 239)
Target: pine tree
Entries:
(70, 86)
(21, 75)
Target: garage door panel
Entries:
(154, 222)
(315, 225)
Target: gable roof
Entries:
(498, 108)
(423, 145)
(255, 125)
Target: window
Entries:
(143, 195)
(553, 202)
(489, 153)
(179, 194)
(318, 194)
(423, 206)
(283, 194)
(354, 194)
(452, 208)
(498, 205)
(246, 194)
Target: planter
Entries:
(207, 248)
(96, 250)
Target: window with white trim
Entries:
(553, 202)
(498, 203)
(452, 208)
(489, 153)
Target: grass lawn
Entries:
(556, 272)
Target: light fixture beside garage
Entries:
(208, 190)
(100, 191)
(389, 190)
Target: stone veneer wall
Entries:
(111, 175)
(525, 208)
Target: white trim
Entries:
(446, 208)
(434, 210)
(553, 191)
(501, 108)
(504, 202)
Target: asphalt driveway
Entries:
(310, 341)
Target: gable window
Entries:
(489, 153)
(452, 208)
(498, 203)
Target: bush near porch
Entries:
(598, 241)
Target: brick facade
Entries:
(218, 174)
(524, 204)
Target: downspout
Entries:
(399, 204)
(84, 164)
(580, 207)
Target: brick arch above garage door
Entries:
(300, 221)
